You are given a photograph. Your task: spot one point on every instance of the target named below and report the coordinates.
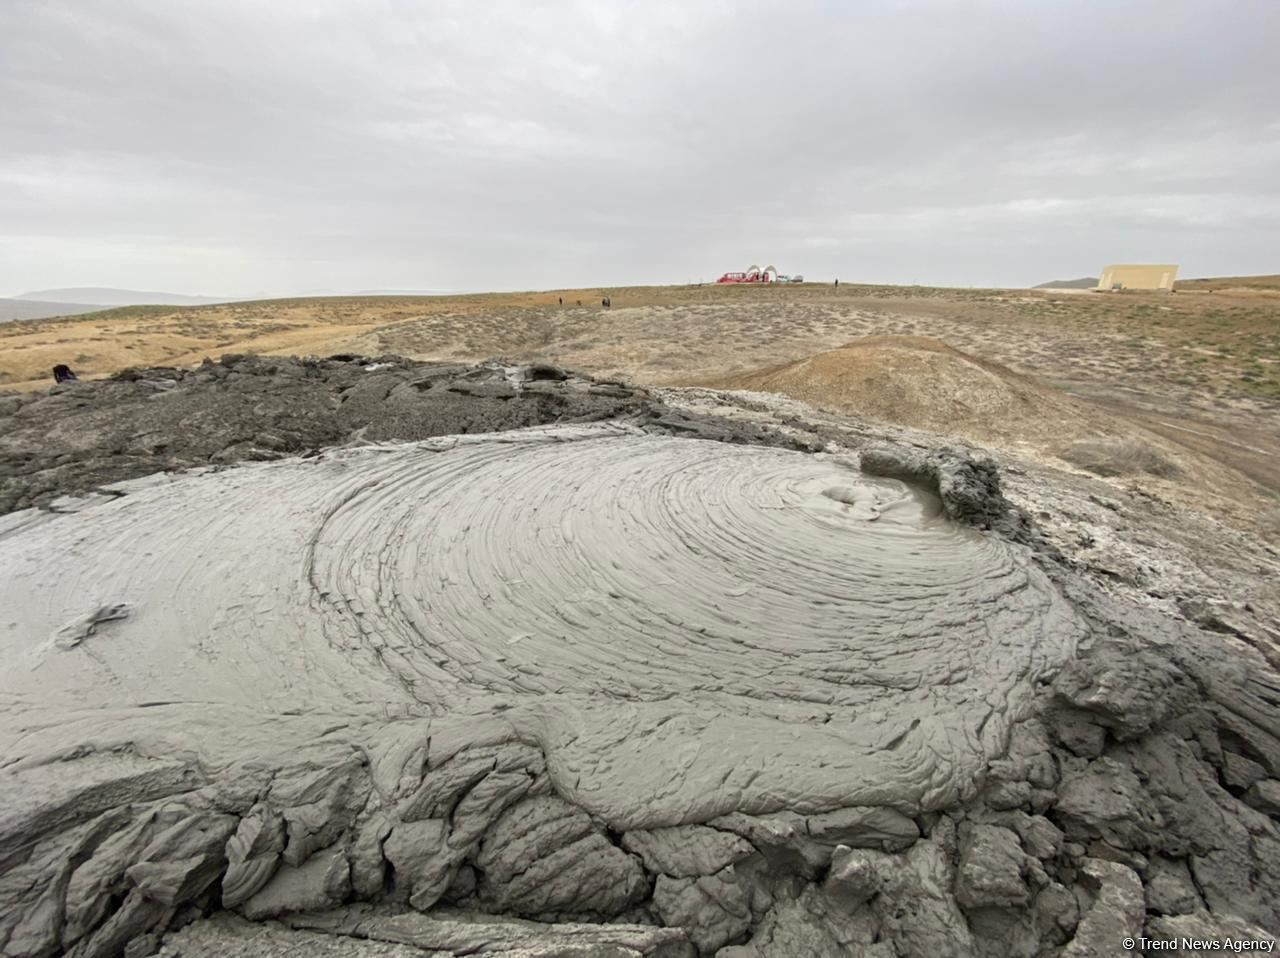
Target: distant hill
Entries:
(402, 292)
(11, 309)
(105, 296)
(1085, 282)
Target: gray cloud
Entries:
(242, 147)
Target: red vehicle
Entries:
(754, 275)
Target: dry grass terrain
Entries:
(1213, 349)
(1228, 283)
(921, 382)
(1197, 371)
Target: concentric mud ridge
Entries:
(723, 698)
(688, 628)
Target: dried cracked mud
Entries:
(661, 674)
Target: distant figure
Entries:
(837, 284)
(561, 298)
(579, 302)
(62, 374)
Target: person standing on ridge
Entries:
(837, 284)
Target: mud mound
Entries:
(573, 568)
(923, 383)
(670, 698)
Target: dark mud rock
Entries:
(421, 860)
(969, 488)
(253, 853)
(322, 882)
(1234, 850)
(1169, 888)
(907, 898)
(1265, 797)
(56, 796)
(466, 794)
(1105, 800)
(184, 859)
(1040, 837)
(133, 919)
(782, 839)
(718, 429)
(808, 924)
(858, 875)
(485, 803)
(101, 879)
(863, 827)
(1076, 731)
(1239, 772)
(686, 851)
(53, 821)
(1114, 910)
(1056, 915)
(1127, 689)
(33, 906)
(444, 784)
(544, 856)
(544, 372)
(992, 867)
(1027, 775)
(318, 806)
(712, 909)
(367, 855)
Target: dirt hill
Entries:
(923, 383)
(1085, 282)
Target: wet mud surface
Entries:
(597, 688)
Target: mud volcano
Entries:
(576, 673)
(688, 628)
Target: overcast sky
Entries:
(241, 147)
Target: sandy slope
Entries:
(923, 383)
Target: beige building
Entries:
(1139, 276)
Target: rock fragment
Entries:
(322, 882)
(1115, 910)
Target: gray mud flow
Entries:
(596, 689)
